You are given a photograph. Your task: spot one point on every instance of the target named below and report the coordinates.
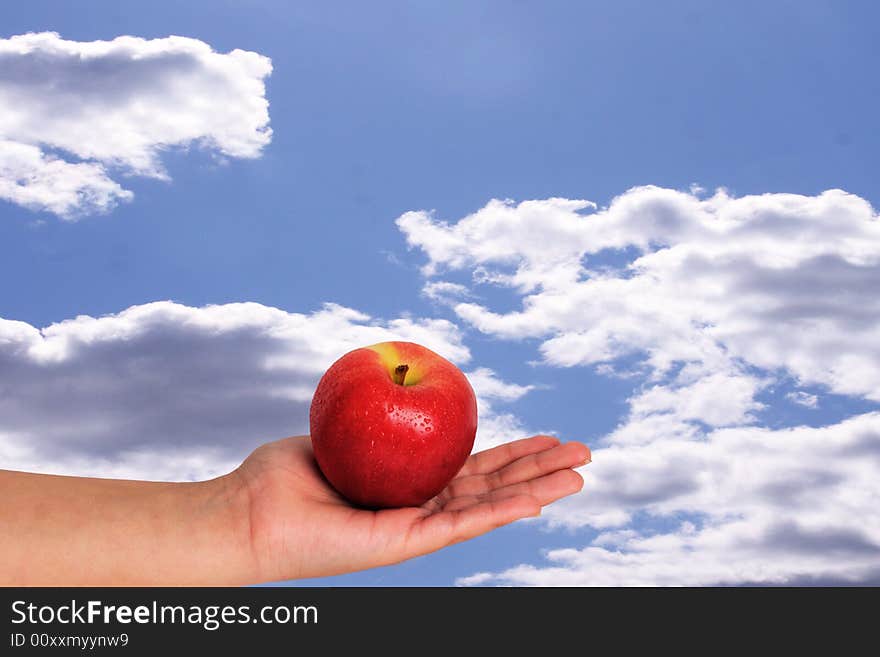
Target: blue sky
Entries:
(380, 110)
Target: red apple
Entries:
(392, 424)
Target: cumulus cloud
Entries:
(802, 398)
(495, 427)
(777, 281)
(166, 391)
(708, 301)
(761, 507)
(445, 292)
(37, 181)
(718, 399)
(488, 386)
(73, 111)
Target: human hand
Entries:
(299, 526)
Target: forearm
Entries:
(80, 531)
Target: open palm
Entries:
(301, 527)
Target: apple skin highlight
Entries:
(382, 443)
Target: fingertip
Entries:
(572, 454)
(567, 482)
(582, 453)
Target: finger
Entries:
(545, 490)
(528, 467)
(497, 457)
(448, 527)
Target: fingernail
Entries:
(588, 458)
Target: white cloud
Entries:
(32, 179)
(445, 292)
(495, 428)
(770, 507)
(717, 399)
(777, 281)
(537, 233)
(709, 301)
(167, 391)
(488, 386)
(802, 398)
(118, 104)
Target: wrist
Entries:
(221, 507)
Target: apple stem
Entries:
(400, 374)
